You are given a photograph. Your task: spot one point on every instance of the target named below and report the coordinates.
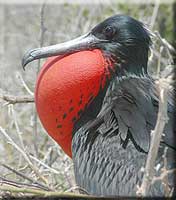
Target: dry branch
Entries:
(25, 156)
(155, 13)
(24, 84)
(11, 99)
(33, 182)
(41, 42)
(156, 135)
(166, 43)
(65, 195)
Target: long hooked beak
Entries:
(85, 42)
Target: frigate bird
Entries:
(104, 122)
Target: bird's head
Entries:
(126, 40)
(81, 69)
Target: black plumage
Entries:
(110, 150)
(108, 155)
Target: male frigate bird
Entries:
(104, 122)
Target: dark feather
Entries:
(117, 146)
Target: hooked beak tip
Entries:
(27, 58)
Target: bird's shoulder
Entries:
(130, 110)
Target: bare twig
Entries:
(17, 126)
(34, 182)
(11, 99)
(20, 184)
(9, 182)
(77, 188)
(25, 155)
(24, 84)
(166, 43)
(41, 41)
(163, 177)
(155, 140)
(155, 13)
(45, 165)
(44, 193)
(165, 181)
(159, 61)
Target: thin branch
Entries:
(163, 177)
(8, 182)
(17, 126)
(15, 145)
(77, 188)
(159, 61)
(11, 99)
(155, 140)
(19, 184)
(25, 155)
(37, 184)
(45, 165)
(166, 43)
(155, 13)
(44, 193)
(24, 84)
(164, 174)
(41, 41)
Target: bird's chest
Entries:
(103, 167)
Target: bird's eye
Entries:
(109, 32)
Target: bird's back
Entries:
(109, 151)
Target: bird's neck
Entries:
(132, 68)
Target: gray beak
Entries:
(85, 42)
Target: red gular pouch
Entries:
(64, 87)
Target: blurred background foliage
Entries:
(27, 26)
